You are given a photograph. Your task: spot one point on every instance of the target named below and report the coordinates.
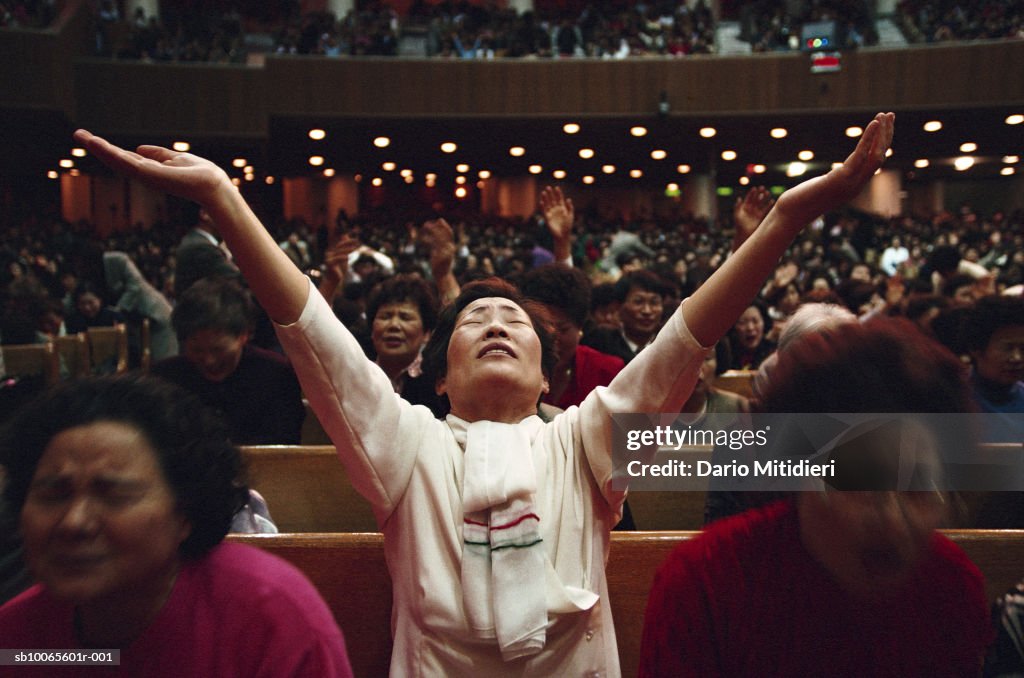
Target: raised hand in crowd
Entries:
(559, 216)
(335, 268)
(439, 238)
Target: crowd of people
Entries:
(945, 20)
(492, 475)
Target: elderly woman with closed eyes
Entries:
(496, 524)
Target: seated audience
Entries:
(90, 310)
(850, 582)
(639, 294)
(255, 390)
(748, 340)
(123, 490)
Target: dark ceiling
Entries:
(34, 142)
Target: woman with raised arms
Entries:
(496, 524)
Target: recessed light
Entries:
(968, 147)
(921, 163)
(728, 155)
(382, 142)
(516, 151)
(659, 154)
(805, 155)
(329, 172)
(52, 174)
(449, 147)
(1011, 159)
(535, 169)
(405, 173)
(1014, 119)
(79, 152)
(570, 128)
(795, 169)
(316, 160)
(269, 180)
(759, 169)
(460, 180)
(586, 153)
(672, 188)
(484, 174)
(461, 192)
(779, 132)
(638, 130)
(608, 169)
(239, 162)
(932, 126)
(744, 181)
(588, 179)
(558, 174)
(1007, 171)
(462, 167)
(317, 134)
(708, 132)
(683, 169)
(67, 163)
(377, 181)
(854, 132)
(635, 173)
(181, 146)
(963, 163)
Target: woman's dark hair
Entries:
(989, 315)
(405, 288)
(559, 287)
(213, 304)
(435, 353)
(203, 469)
(884, 365)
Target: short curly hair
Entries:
(559, 287)
(204, 471)
(405, 288)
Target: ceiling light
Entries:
(180, 146)
(388, 166)
(854, 132)
(805, 155)
(462, 167)
(449, 147)
(1011, 159)
(377, 181)
(236, 181)
(744, 181)
(558, 174)
(759, 169)
(382, 142)
(431, 176)
(317, 134)
(484, 174)
(75, 173)
(329, 172)
(461, 192)
(78, 152)
(932, 126)
(921, 163)
(250, 177)
(536, 169)
(316, 160)
(635, 173)
(708, 132)
(52, 174)
(247, 169)
(728, 155)
(1014, 119)
(269, 180)
(672, 188)
(405, 173)
(638, 131)
(586, 153)
(968, 147)
(779, 133)
(659, 154)
(570, 128)
(837, 165)
(516, 151)
(409, 179)
(963, 163)
(460, 180)
(239, 162)
(608, 169)
(683, 169)
(1007, 171)
(588, 179)
(67, 163)
(795, 169)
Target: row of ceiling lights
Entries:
(962, 163)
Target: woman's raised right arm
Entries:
(280, 287)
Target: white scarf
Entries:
(503, 561)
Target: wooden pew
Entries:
(307, 489)
(27, 360)
(737, 381)
(350, 572)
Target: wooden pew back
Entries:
(307, 489)
(350, 572)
